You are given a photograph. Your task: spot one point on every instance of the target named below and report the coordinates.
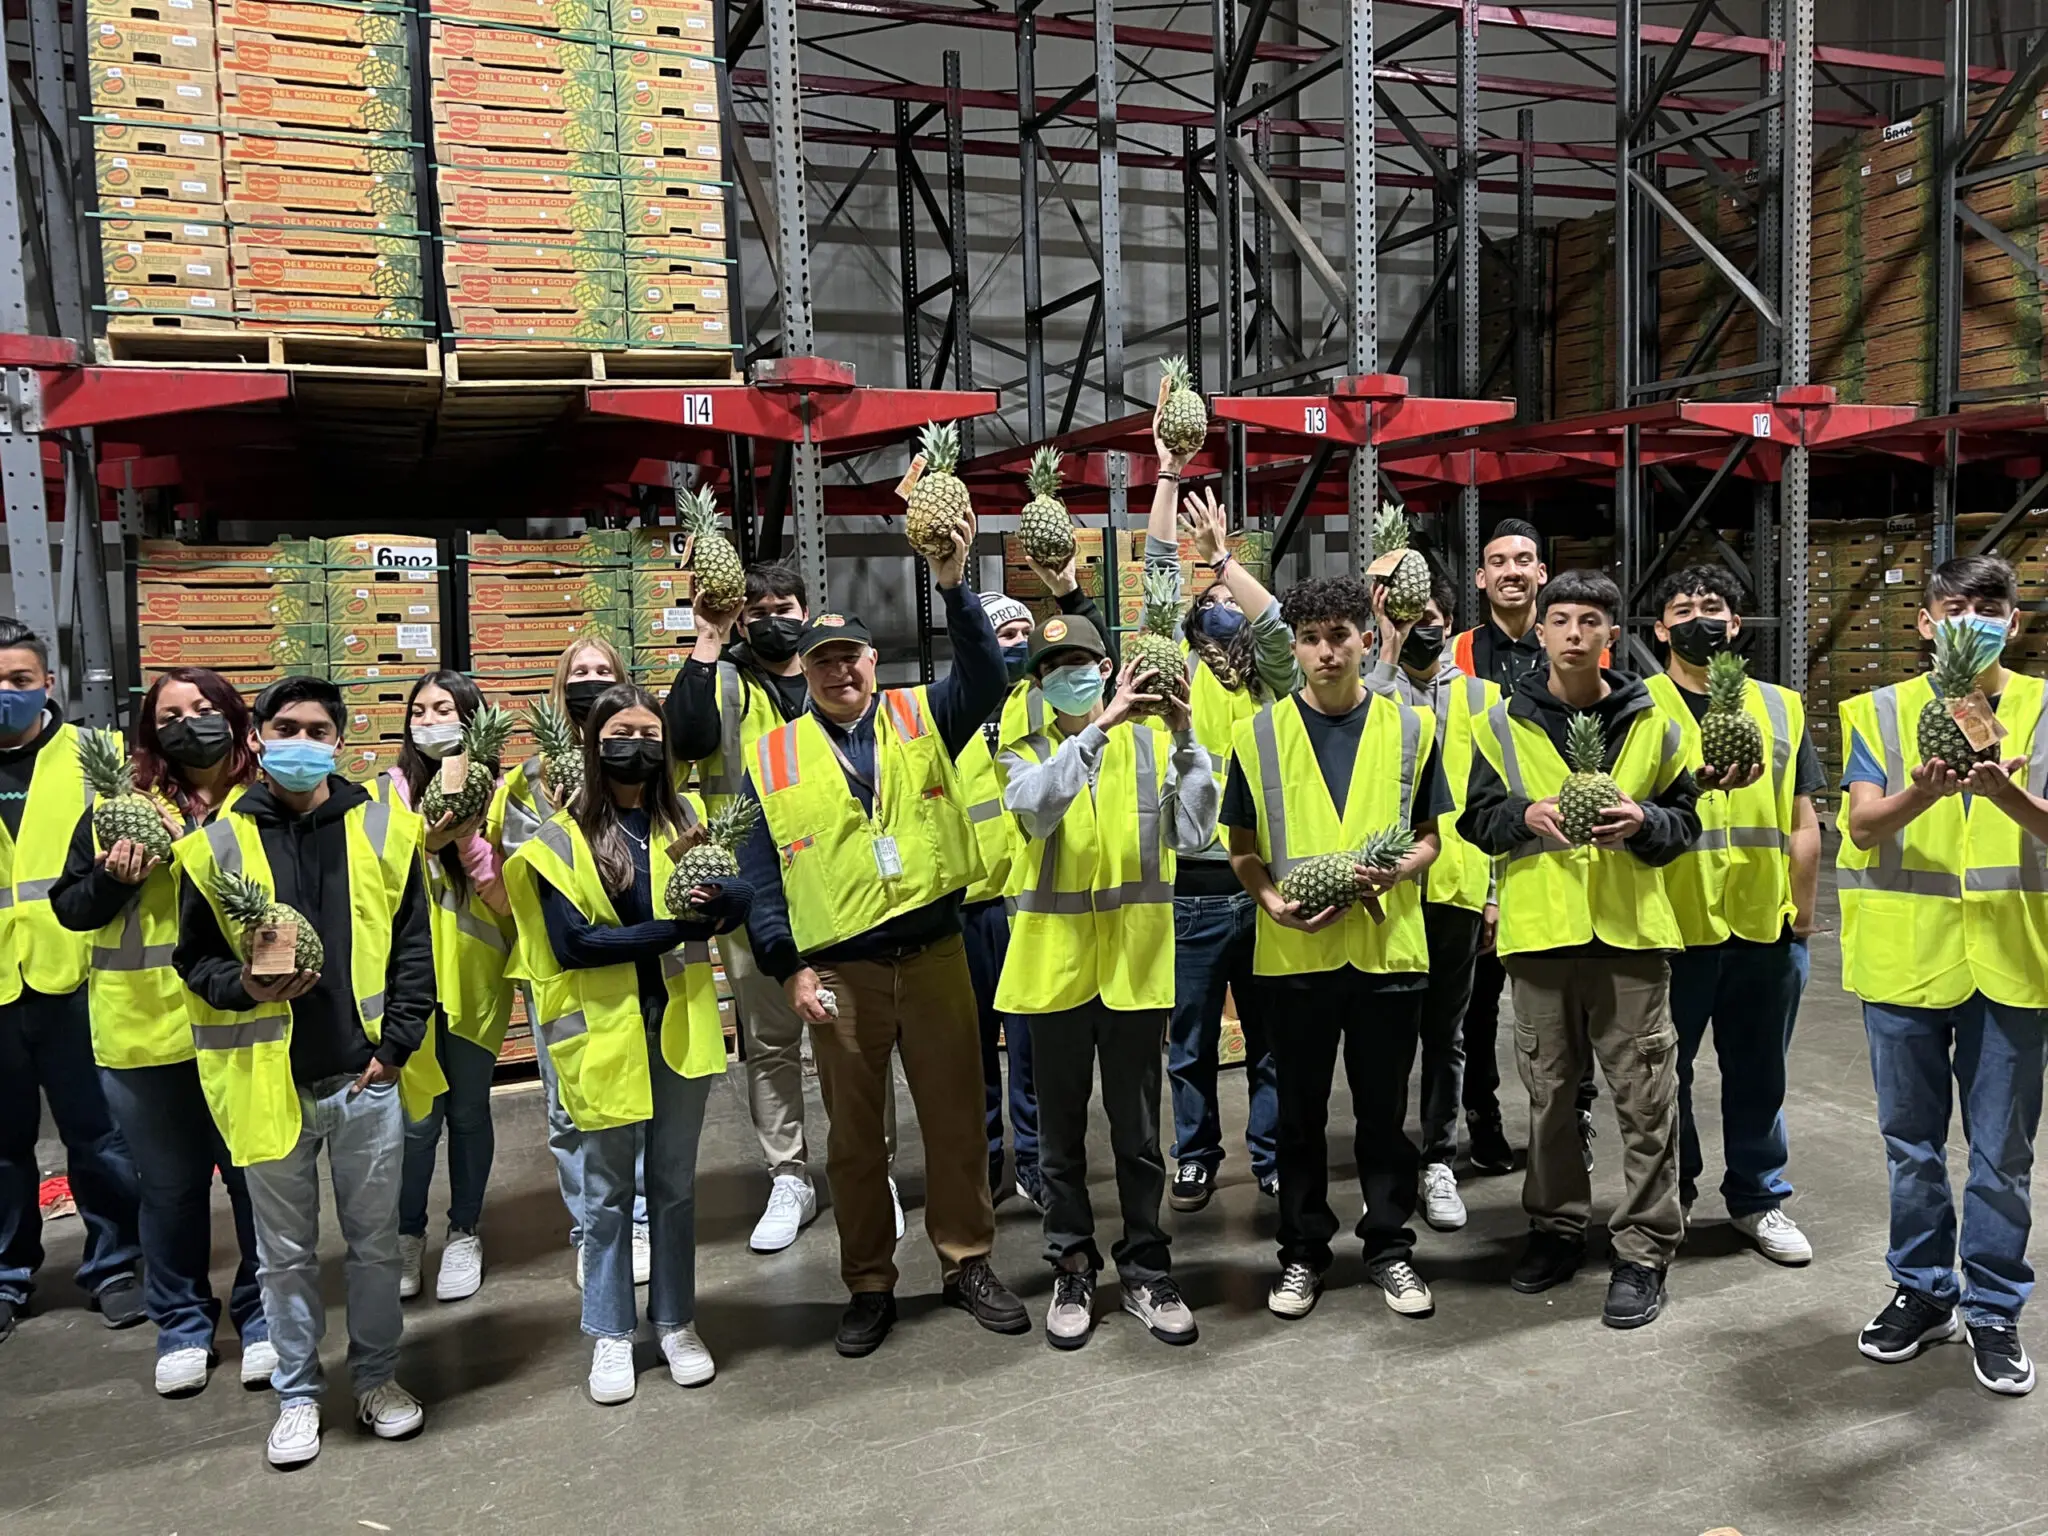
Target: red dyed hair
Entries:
(155, 771)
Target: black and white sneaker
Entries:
(1192, 1186)
(1586, 1135)
(1403, 1288)
(1296, 1292)
(1269, 1185)
(1907, 1325)
(2000, 1360)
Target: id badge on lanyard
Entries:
(888, 857)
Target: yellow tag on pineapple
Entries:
(1384, 565)
(1165, 389)
(454, 773)
(275, 950)
(910, 478)
(1981, 728)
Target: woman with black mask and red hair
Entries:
(191, 757)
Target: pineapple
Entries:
(1183, 419)
(1043, 527)
(483, 743)
(118, 811)
(1407, 583)
(1153, 647)
(561, 754)
(1589, 790)
(1729, 738)
(1331, 879)
(1960, 653)
(938, 504)
(248, 906)
(715, 860)
(721, 581)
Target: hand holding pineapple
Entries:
(448, 830)
(950, 569)
(1180, 425)
(1059, 580)
(1617, 823)
(1136, 696)
(129, 862)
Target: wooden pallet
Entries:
(299, 351)
(500, 368)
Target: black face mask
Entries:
(195, 741)
(582, 694)
(774, 639)
(1698, 641)
(1422, 648)
(631, 759)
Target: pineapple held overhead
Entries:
(1588, 790)
(483, 744)
(1407, 582)
(1183, 419)
(721, 580)
(938, 503)
(1729, 739)
(1331, 879)
(561, 756)
(715, 859)
(248, 907)
(1153, 647)
(1043, 527)
(1961, 652)
(118, 811)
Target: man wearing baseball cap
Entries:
(864, 850)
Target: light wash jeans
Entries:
(565, 1142)
(364, 1135)
(612, 1161)
(472, 1140)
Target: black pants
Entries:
(1481, 1091)
(1377, 1031)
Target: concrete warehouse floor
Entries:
(1747, 1405)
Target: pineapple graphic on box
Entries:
(483, 744)
(1960, 654)
(1043, 527)
(721, 580)
(1183, 419)
(938, 503)
(1730, 741)
(1407, 582)
(1588, 789)
(1331, 879)
(561, 756)
(383, 27)
(118, 810)
(248, 906)
(1153, 647)
(715, 859)
(383, 66)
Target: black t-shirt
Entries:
(792, 689)
(1807, 778)
(1335, 740)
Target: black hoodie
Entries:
(691, 708)
(1493, 819)
(308, 857)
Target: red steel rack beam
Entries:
(1364, 408)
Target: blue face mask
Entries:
(19, 708)
(1987, 631)
(1220, 623)
(298, 763)
(1071, 690)
(1016, 658)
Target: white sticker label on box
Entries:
(1894, 577)
(1904, 176)
(1893, 132)
(416, 637)
(202, 301)
(424, 609)
(192, 186)
(192, 138)
(189, 90)
(677, 621)
(198, 269)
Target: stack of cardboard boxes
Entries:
(663, 620)
(1865, 586)
(253, 613)
(529, 600)
(384, 607)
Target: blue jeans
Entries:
(46, 1052)
(163, 1117)
(612, 1163)
(1750, 996)
(1996, 1055)
(565, 1143)
(472, 1141)
(987, 929)
(364, 1134)
(1212, 950)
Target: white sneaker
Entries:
(689, 1362)
(391, 1412)
(896, 1200)
(1778, 1235)
(643, 1254)
(295, 1437)
(792, 1206)
(462, 1267)
(412, 1266)
(181, 1371)
(259, 1363)
(1442, 1207)
(611, 1371)
(579, 1266)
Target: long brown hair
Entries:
(154, 771)
(558, 690)
(415, 767)
(1235, 665)
(592, 806)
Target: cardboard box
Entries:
(348, 157)
(381, 721)
(361, 762)
(603, 191)
(260, 304)
(586, 92)
(580, 592)
(163, 177)
(196, 12)
(658, 663)
(314, 63)
(598, 547)
(656, 588)
(664, 626)
(674, 248)
(158, 139)
(181, 44)
(599, 327)
(595, 207)
(177, 297)
(279, 645)
(249, 244)
(660, 547)
(224, 607)
(548, 15)
(389, 198)
(382, 552)
(138, 218)
(662, 18)
(458, 154)
(536, 290)
(139, 322)
(669, 176)
(693, 138)
(665, 85)
(685, 291)
(257, 101)
(258, 219)
(658, 216)
(280, 560)
(247, 681)
(516, 48)
(536, 636)
(350, 23)
(369, 687)
(137, 263)
(182, 93)
(499, 128)
(384, 597)
(389, 644)
(679, 329)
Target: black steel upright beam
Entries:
(1528, 316)
(1952, 125)
(1229, 254)
(956, 219)
(1027, 229)
(1466, 543)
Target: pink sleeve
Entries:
(479, 859)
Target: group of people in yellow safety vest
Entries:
(1053, 854)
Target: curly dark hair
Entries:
(1326, 598)
(1700, 580)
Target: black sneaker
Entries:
(868, 1317)
(1550, 1259)
(977, 1291)
(1191, 1187)
(1586, 1135)
(10, 1309)
(119, 1302)
(1635, 1295)
(1269, 1186)
(1907, 1325)
(1490, 1152)
(2001, 1363)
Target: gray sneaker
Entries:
(1160, 1308)
(1071, 1316)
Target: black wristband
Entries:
(1167, 474)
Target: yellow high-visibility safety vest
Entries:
(745, 715)
(1298, 821)
(996, 832)
(519, 805)
(832, 851)
(1957, 902)
(1024, 714)
(589, 1021)
(1215, 713)
(36, 951)
(1462, 875)
(1737, 879)
(245, 1061)
(1556, 896)
(1095, 915)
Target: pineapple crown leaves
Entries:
(483, 738)
(551, 728)
(731, 822)
(106, 764)
(1388, 846)
(1961, 652)
(1162, 600)
(1177, 374)
(1586, 743)
(940, 442)
(1389, 530)
(1044, 478)
(697, 510)
(1727, 675)
(242, 899)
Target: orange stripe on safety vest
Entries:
(1461, 653)
(904, 713)
(777, 753)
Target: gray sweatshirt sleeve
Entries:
(1273, 644)
(1192, 790)
(1384, 677)
(1038, 793)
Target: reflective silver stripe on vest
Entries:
(675, 961)
(554, 1031)
(1511, 775)
(467, 922)
(1674, 740)
(6, 898)
(131, 954)
(731, 770)
(1889, 873)
(1149, 887)
(1715, 839)
(239, 1035)
(34, 890)
(1780, 715)
(985, 810)
(377, 825)
(1909, 882)
(2031, 878)
(1034, 711)
(555, 837)
(227, 853)
(372, 1007)
(1266, 738)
